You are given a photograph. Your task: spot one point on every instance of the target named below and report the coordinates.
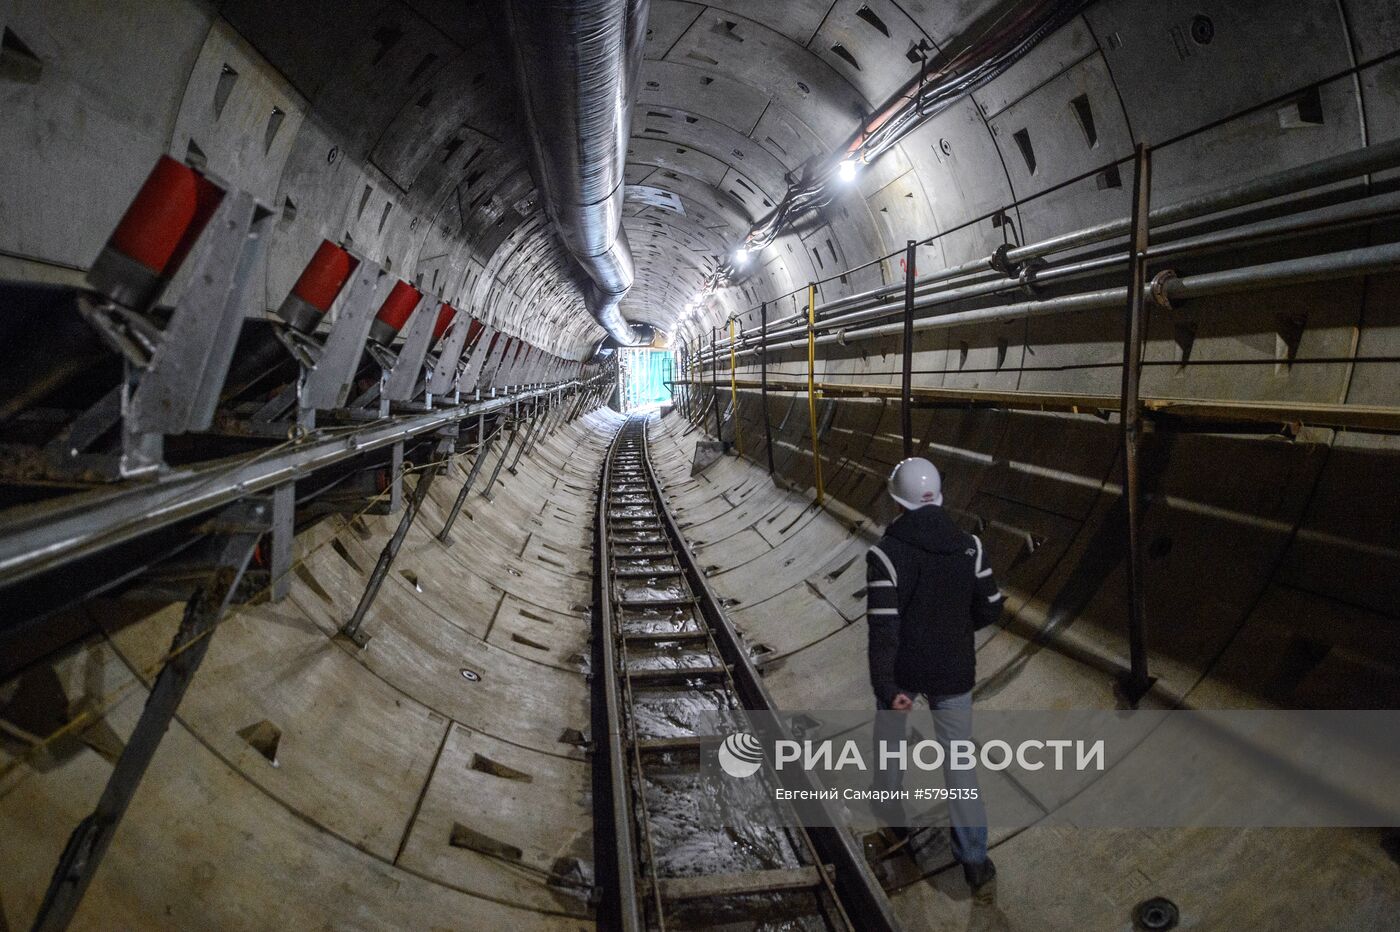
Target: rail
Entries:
(666, 639)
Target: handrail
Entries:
(984, 278)
(1380, 418)
(43, 536)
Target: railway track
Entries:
(667, 660)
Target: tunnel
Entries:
(435, 435)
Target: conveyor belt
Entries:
(669, 657)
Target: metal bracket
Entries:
(328, 383)
(450, 354)
(1002, 264)
(408, 367)
(1160, 283)
(180, 388)
(469, 377)
(1027, 276)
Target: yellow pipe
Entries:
(812, 388)
(734, 391)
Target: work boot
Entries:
(979, 875)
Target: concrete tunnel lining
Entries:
(402, 793)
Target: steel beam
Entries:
(1137, 682)
(906, 408)
(50, 534)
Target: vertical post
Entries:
(734, 391)
(692, 389)
(282, 539)
(906, 385)
(687, 370)
(682, 381)
(1137, 682)
(812, 389)
(714, 384)
(395, 477)
(763, 380)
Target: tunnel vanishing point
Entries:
(420, 418)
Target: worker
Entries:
(928, 588)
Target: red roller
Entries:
(318, 286)
(394, 312)
(474, 333)
(445, 316)
(155, 234)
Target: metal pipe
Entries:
(1314, 175)
(1345, 264)
(1329, 171)
(1134, 329)
(906, 408)
(54, 533)
(576, 67)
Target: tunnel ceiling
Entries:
(733, 98)
(736, 98)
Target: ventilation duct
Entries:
(576, 65)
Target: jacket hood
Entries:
(928, 528)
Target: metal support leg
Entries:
(495, 473)
(524, 443)
(284, 506)
(396, 478)
(239, 528)
(1137, 682)
(812, 391)
(483, 447)
(546, 426)
(386, 557)
(906, 407)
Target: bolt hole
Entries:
(1202, 29)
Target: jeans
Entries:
(952, 721)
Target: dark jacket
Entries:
(928, 588)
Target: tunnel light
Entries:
(847, 169)
(741, 255)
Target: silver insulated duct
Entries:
(576, 65)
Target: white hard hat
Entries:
(915, 482)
